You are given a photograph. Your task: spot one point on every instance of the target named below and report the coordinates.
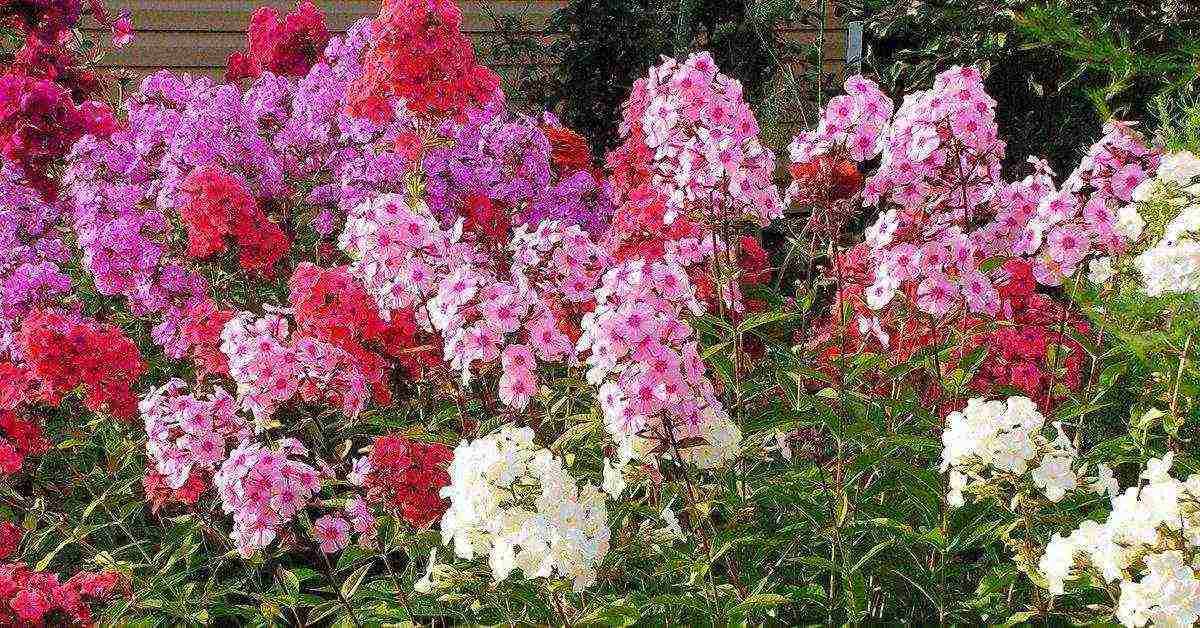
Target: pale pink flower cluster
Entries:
(270, 368)
(485, 309)
(186, 432)
(852, 125)
(558, 260)
(702, 140)
(263, 489)
(519, 320)
(945, 208)
(1082, 216)
(400, 252)
(939, 174)
(943, 152)
(653, 388)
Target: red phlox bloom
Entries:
(638, 229)
(826, 179)
(159, 493)
(420, 55)
(406, 476)
(10, 538)
(288, 46)
(489, 220)
(217, 206)
(569, 151)
(64, 353)
(38, 598)
(332, 306)
(202, 327)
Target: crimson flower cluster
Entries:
(333, 307)
(37, 598)
(217, 205)
(405, 477)
(64, 353)
(39, 122)
(289, 46)
(44, 106)
(22, 435)
(1018, 354)
(420, 55)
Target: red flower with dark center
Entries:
(288, 46)
(406, 476)
(419, 54)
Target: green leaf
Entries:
(350, 586)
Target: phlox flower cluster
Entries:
(988, 442)
(186, 434)
(216, 206)
(945, 208)
(421, 56)
(515, 503)
(405, 477)
(940, 168)
(1149, 545)
(399, 250)
(1172, 264)
(332, 533)
(505, 167)
(1083, 217)
(264, 488)
(482, 311)
(690, 133)
(46, 91)
(271, 366)
(31, 252)
(852, 130)
(332, 306)
(943, 146)
(502, 156)
(39, 122)
(37, 598)
(65, 352)
(287, 47)
(523, 318)
(653, 388)
(21, 433)
(283, 138)
(1018, 349)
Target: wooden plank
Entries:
(211, 49)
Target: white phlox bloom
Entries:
(990, 441)
(1149, 546)
(515, 503)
